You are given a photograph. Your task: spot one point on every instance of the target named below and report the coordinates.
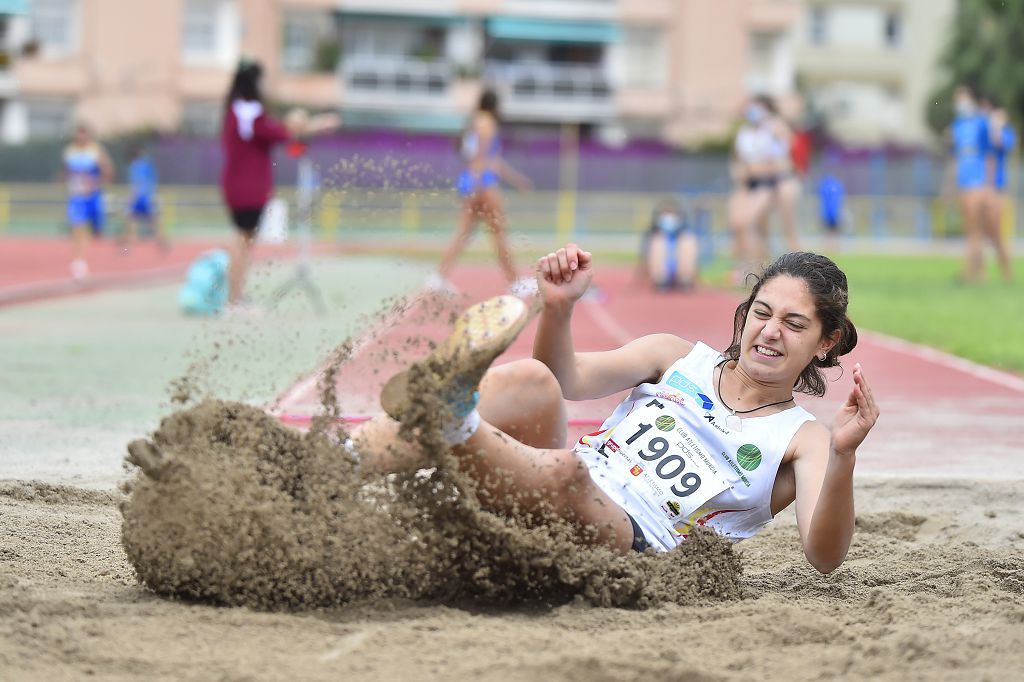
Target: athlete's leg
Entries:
(241, 253)
(493, 211)
(971, 207)
(129, 233)
(737, 217)
(521, 398)
(467, 219)
(687, 258)
(788, 202)
(80, 236)
(995, 201)
(759, 206)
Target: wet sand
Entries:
(933, 589)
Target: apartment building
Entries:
(868, 66)
(676, 70)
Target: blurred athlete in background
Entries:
(87, 168)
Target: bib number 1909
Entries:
(667, 468)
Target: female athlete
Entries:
(704, 438)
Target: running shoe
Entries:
(79, 270)
(479, 335)
(439, 285)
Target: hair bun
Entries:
(848, 337)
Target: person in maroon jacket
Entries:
(248, 137)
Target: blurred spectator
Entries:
(970, 146)
(1002, 139)
(669, 249)
(831, 194)
(248, 136)
(142, 207)
(87, 167)
(479, 187)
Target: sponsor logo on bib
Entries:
(749, 456)
(636, 470)
(665, 423)
(678, 381)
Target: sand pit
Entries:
(933, 589)
(232, 508)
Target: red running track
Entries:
(33, 268)
(941, 416)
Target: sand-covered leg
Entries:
(458, 364)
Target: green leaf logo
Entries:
(749, 457)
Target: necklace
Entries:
(733, 421)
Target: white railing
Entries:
(396, 76)
(544, 81)
(544, 90)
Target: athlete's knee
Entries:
(534, 378)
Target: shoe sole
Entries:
(480, 334)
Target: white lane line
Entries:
(607, 323)
(938, 357)
(307, 385)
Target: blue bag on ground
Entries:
(206, 285)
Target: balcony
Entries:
(373, 81)
(858, 63)
(552, 92)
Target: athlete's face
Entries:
(782, 333)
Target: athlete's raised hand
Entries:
(563, 275)
(856, 417)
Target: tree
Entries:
(985, 50)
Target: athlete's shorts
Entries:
(469, 183)
(246, 219)
(143, 206)
(640, 543)
(971, 174)
(86, 209)
(761, 182)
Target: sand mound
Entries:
(233, 508)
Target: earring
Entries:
(823, 356)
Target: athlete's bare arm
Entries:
(563, 276)
(823, 468)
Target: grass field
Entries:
(918, 298)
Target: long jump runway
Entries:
(941, 416)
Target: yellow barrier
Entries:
(410, 219)
(5, 208)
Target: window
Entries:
(201, 117)
(309, 42)
(893, 29)
(642, 54)
(49, 118)
(818, 25)
(54, 25)
(298, 41)
(199, 33)
(209, 31)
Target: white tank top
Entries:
(667, 458)
(759, 145)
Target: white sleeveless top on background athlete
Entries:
(667, 458)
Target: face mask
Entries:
(964, 107)
(754, 113)
(669, 223)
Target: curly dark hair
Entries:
(830, 291)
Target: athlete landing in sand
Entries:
(704, 438)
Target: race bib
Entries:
(667, 464)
